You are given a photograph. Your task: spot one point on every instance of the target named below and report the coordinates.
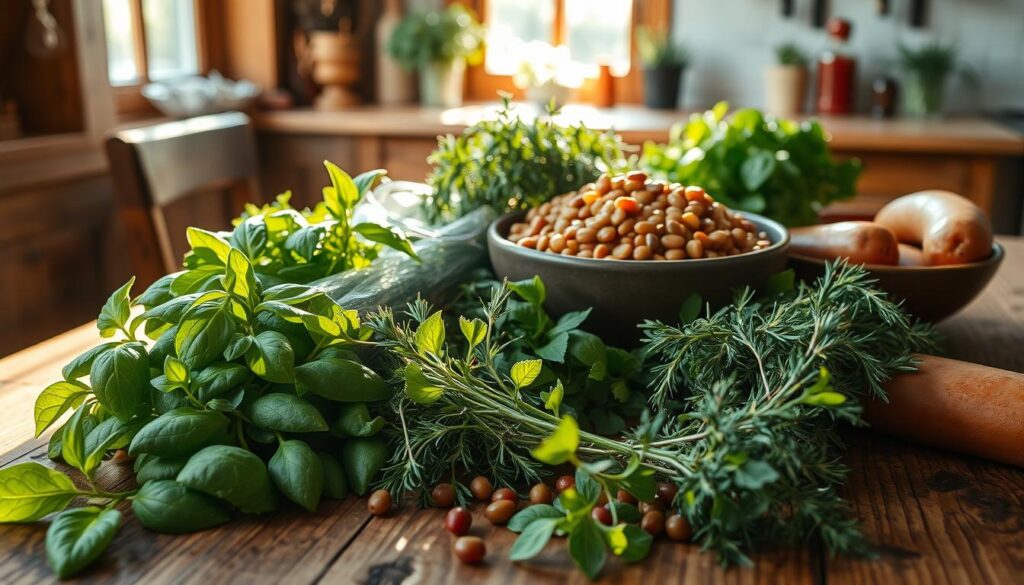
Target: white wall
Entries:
(733, 41)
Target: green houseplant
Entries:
(663, 66)
(438, 44)
(927, 70)
(786, 82)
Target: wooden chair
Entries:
(155, 166)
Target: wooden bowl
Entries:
(622, 293)
(930, 293)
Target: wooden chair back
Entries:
(156, 166)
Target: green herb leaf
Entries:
(553, 399)
(116, 310)
(81, 365)
(418, 388)
(554, 350)
(561, 445)
(533, 539)
(231, 474)
(586, 547)
(474, 330)
(219, 378)
(30, 491)
(531, 290)
(286, 413)
(525, 372)
(368, 180)
(78, 537)
(175, 371)
(297, 473)
(589, 350)
(73, 439)
(354, 420)
(120, 379)
(570, 321)
(335, 483)
(639, 543)
(239, 277)
(238, 346)
(362, 460)
(385, 236)
(430, 335)
(200, 239)
(250, 236)
(271, 357)
(155, 468)
(535, 512)
(55, 400)
(341, 380)
(756, 169)
(179, 433)
(167, 506)
(690, 309)
(204, 333)
(343, 193)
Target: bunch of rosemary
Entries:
(754, 448)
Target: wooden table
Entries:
(934, 517)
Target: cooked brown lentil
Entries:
(632, 217)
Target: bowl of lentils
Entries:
(632, 248)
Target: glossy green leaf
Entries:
(561, 445)
(271, 357)
(232, 474)
(527, 515)
(418, 388)
(116, 311)
(525, 372)
(354, 420)
(533, 539)
(341, 380)
(77, 537)
(81, 365)
(30, 491)
(179, 433)
(362, 460)
(200, 238)
(586, 547)
(204, 334)
(430, 335)
(286, 413)
(55, 400)
(474, 330)
(335, 482)
(169, 507)
(298, 473)
(386, 236)
(343, 193)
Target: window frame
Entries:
(484, 86)
(128, 99)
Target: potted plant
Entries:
(927, 71)
(786, 82)
(438, 44)
(663, 66)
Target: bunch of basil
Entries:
(249, 391)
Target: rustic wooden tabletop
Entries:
(933, 516)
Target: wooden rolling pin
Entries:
(955, 405)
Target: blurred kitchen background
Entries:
(926, 93)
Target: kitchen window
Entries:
(149, 40)
(591, 31)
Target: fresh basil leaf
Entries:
(231, 474)
(55, 446)
(354, 420)
(304, 241)
(535, 512)
(250, 236)
(756, 169)
(341, 380)
(158, 293)
(116, 311)
(172, 311)
(200, 238)
(561, 445)
(30, 491)
(73, 439)
(219, 378)
(589, 489)
(167, 506)
(290, 294)
(239, 277)
(298, 473)
(163, 347)
(335, 484)
(271, 357)
(382, 235)
(343, 194)
(179, 433)
(430, 335)
(78, 537)
(239, 345)
(204, 333)
(112, 433)
(55, 400)
(533, 539)
(362, 460)
(156, 468)
(80, 366)
(175, 370)
(286, 413)
(418, 388)
(120, 379)
(196, 280)
(586, 547)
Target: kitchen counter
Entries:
(970, 135)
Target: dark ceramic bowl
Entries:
(930, 293)
(623, 293)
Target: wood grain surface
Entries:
(932, 516)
